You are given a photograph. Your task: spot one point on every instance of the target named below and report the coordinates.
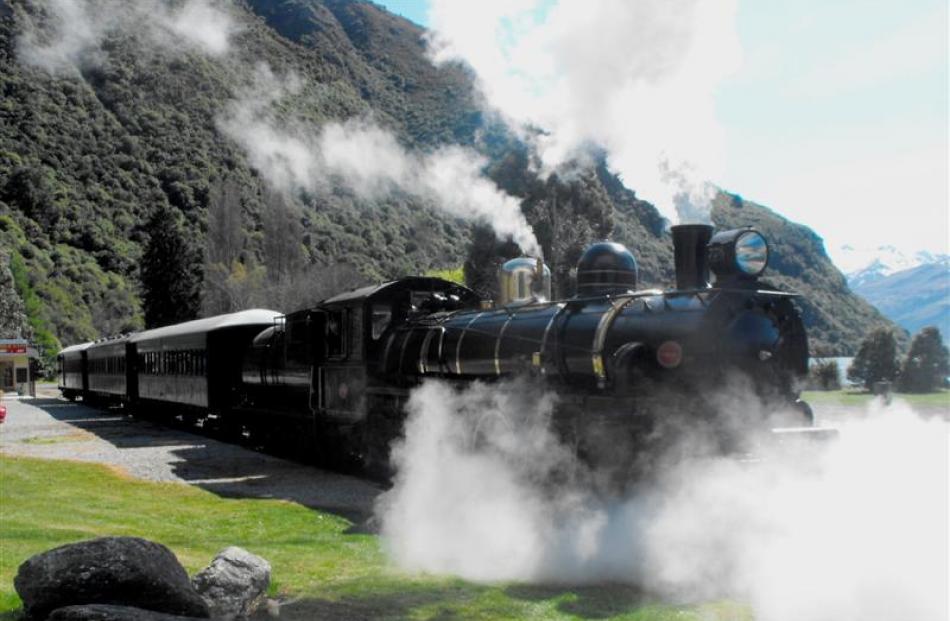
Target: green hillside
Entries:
(91, 157)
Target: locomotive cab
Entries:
(320, 362)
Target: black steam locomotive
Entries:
(621, 359)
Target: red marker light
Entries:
(669, 355)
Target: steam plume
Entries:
(366, 159)
(637, 78)
(856, 531)
(71, 37)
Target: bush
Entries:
(876, 360)
(926, 366)
(824, 376)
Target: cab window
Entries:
(382, 316)
(335, 337)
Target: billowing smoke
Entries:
(361, 156)
(854, 530)
(71, 36)
(636, 78)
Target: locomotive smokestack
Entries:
(689, 253)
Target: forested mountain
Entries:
(143, 131)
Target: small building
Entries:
(16, 370)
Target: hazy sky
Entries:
(835, 115)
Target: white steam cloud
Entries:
(366, 159)
(857, 531)
(637, 78)
(72, 35)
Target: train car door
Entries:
(341, 376)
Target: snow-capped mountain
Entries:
(913, 298)
(863, 266)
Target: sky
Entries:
(833, 113)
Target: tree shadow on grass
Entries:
(226, 469)
(395, 604)
(588, 602)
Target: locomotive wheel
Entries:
(492, 422)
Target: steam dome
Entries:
(606, 267)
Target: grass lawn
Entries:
(333, 572)
(860, 398)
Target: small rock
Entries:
(235, 583)
(123, 571)
(104, 612)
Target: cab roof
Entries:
(413, 283)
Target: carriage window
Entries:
(335, 336)
(382, 315)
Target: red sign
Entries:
(13, 349)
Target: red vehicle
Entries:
(3, 412)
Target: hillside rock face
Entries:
(90, 152)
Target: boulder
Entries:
(105, 612)
(234, 584)
(124, 571)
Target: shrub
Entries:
(824, 376)
(926, 366)
(876, 360)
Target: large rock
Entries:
(235, 583)
(125, 571)
(105, 612)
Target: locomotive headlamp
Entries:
(740, 252)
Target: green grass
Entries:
(860, 398)
(316, 559)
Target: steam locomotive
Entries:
(623, 360)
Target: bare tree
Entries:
(283, 252)
(225, 240)
(227, 281)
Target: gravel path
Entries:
(53, 428)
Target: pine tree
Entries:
(485, 256)
(171, 272)
(876, 360)
(927, 363)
